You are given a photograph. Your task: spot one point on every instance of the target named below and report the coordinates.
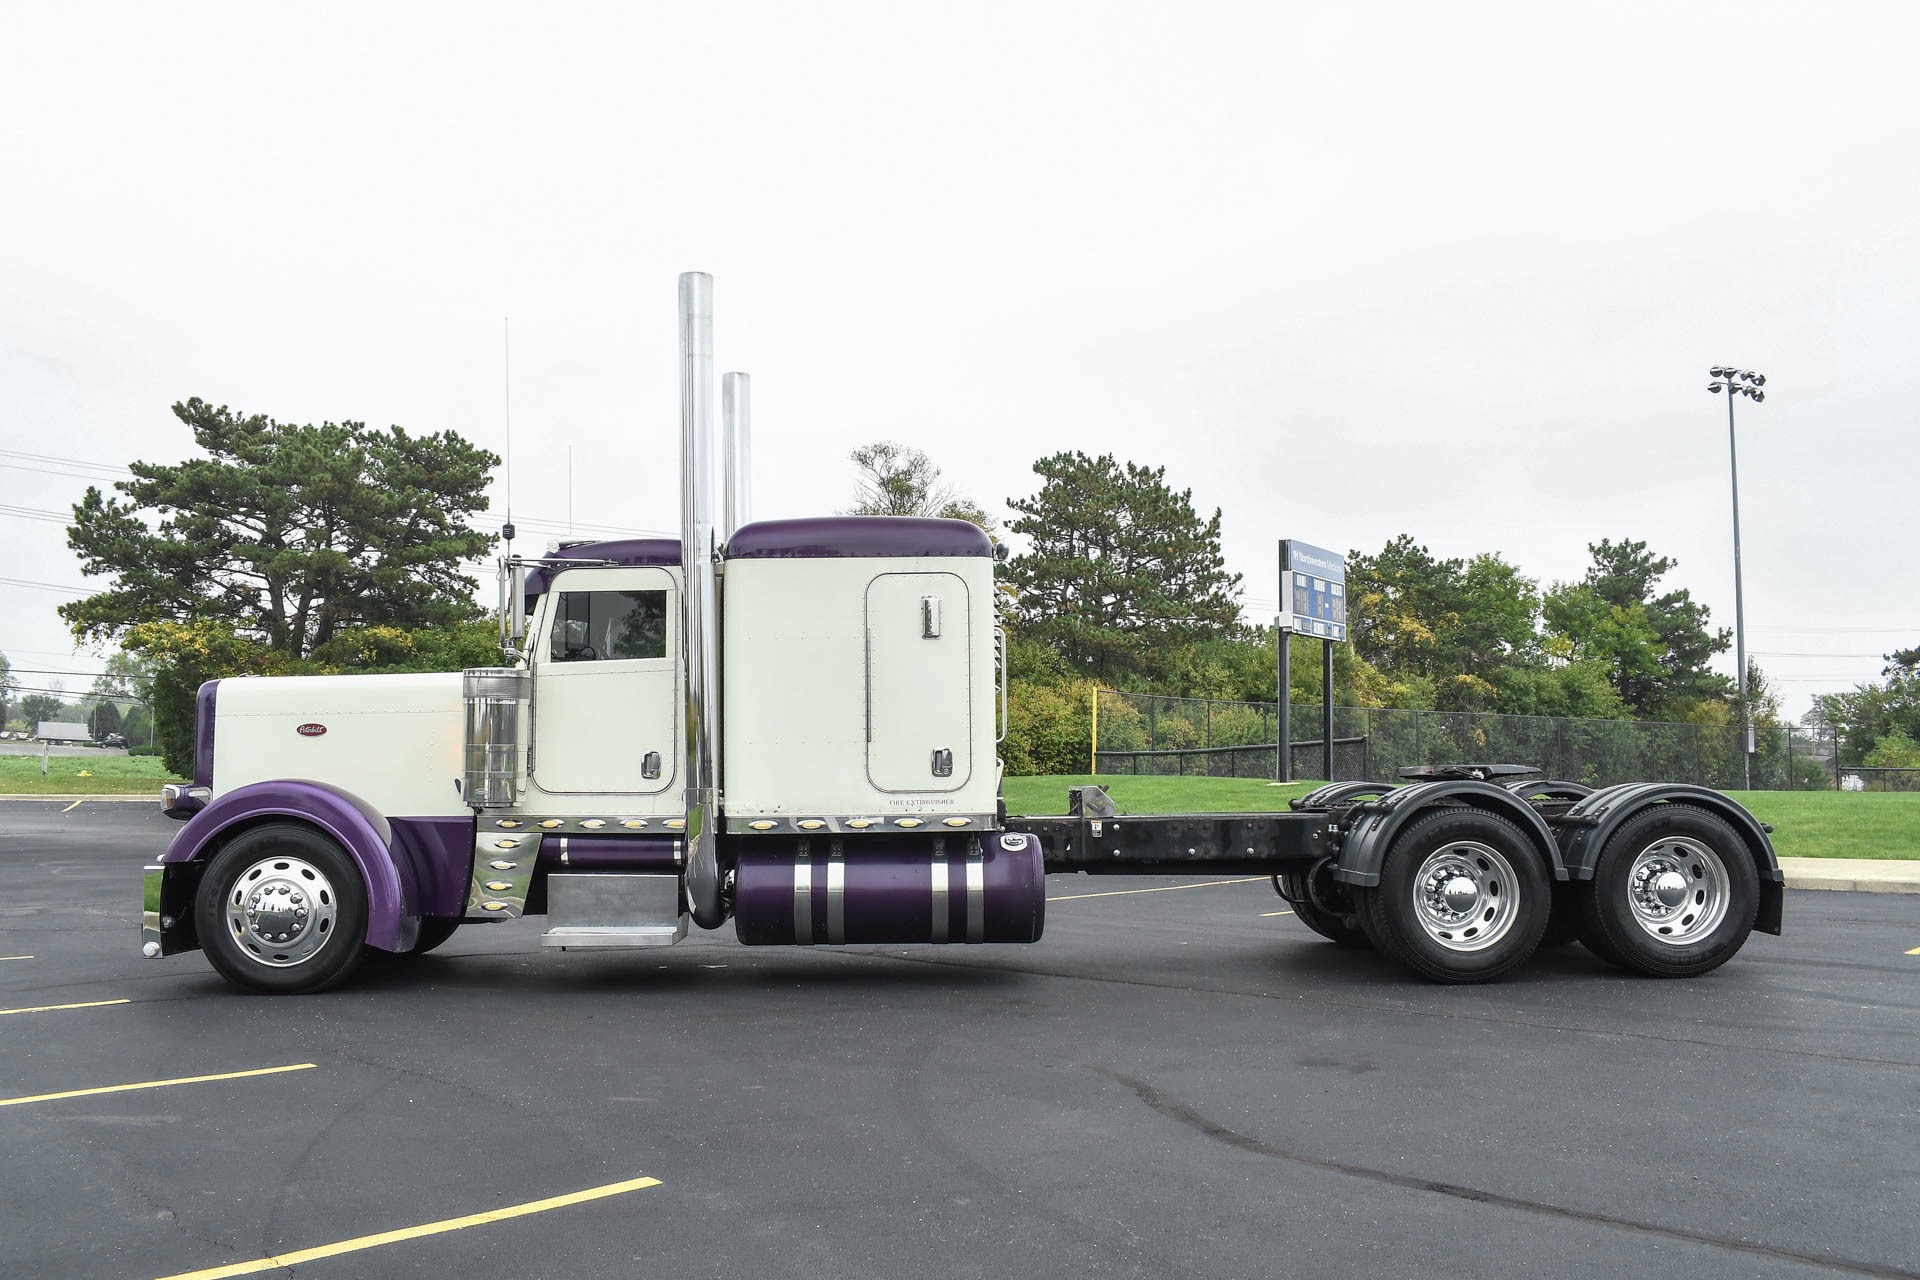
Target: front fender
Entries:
(1592, 822)
(1366, 842)
(392, 895)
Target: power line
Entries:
(45, 586)
(33, 513)
(1842, 630)
(72, 462)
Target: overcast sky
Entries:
(1346, 271)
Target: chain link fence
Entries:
(1155, 734)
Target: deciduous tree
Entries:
(897, 481)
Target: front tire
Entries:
(282, 910)
(1674, 894)
(1463, 897)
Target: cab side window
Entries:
(602, 626)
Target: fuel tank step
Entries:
(613, 909)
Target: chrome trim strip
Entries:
(940, 883)
(843, 824)
(976, 895)
(650, 824)
(563, 850)
(836, 895)
(803, 896)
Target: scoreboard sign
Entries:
(1313, 590)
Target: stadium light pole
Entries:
(1739, 382)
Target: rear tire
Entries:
(1337, 927)
(1673, 895)
(282, 910)
(1463, 897)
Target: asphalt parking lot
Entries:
(1176, 1082)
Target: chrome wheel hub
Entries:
(281, 911)
(1466, 896)
(1678, 890)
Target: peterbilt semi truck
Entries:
(791, 725)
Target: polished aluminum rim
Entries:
(281, 911)
(1466, 896)
(1678, 890)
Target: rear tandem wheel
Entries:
(1463, 897)
(1673, 894)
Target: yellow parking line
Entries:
(414, 1233)
(153, 1084)
(55, 1008)
(16, 957)
(1165, 888)
(75, 805)
(1268, 915)
(1914, 952)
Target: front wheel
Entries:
(1463, 897)
(282, 910)
(1673, 894)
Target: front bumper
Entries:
(166, 916)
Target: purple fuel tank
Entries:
(880, 889)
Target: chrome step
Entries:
(613, 909)
(582, 936)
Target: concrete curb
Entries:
(1853, 875)
(153, 799)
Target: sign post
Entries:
(1313, 601)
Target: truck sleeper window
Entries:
(599, 626)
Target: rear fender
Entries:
(393, 917)
(1588, 826)
(1366, 842)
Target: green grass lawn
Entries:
(1807, 824)
(108, 776)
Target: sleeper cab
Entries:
(858, 676)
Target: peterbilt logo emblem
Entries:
(311, 730)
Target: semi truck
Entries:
(792, 725)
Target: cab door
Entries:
(606, 687)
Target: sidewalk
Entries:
(1860, 875)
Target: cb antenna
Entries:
(506, 368)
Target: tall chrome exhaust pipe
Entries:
(736, 471)
(698, 633)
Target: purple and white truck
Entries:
(792, 725)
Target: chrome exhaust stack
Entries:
(736, 469)
(699, 636)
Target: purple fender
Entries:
(393, 914)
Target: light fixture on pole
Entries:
(1739, 382)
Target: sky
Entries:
(1345, 271)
